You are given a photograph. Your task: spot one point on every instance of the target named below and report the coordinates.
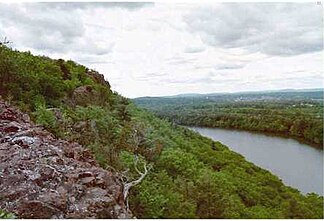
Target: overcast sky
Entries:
(153, 49)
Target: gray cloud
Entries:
(303, 80)
(89, 5)
(273, 29)
(199, 66)
(192, 49)
(228, 66)
(203, 80)
(208, 80)
(48, 29)
(93, 59)
(132, 43)
(64, 24)
(150, 76)
(180, 60)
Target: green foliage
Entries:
(25, 76)
(212, 182)
(192, 176)
(96, 127)
(156, 197)
(298, 114)
(262, 213)
(6, 215)
(45, 117)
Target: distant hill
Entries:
(319, 90)
(279, 95)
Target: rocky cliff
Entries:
(44, 177)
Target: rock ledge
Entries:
(43, 177)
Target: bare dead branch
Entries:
(129, 185)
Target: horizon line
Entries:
(236, 92)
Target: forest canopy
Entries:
(295, 114)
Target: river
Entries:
(298, 165)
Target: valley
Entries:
(173, 171)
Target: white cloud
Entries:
(274, 29)
(164, 49)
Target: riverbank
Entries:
(272, 134)
(298, 165)
(294, 115)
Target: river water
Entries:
(298, 165)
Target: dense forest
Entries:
(187, 175)
(296, 114)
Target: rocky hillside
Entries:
(45, 177)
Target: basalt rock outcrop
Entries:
(98, 78)
(84, 95)
(44, 177)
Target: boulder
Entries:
(83, 95)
